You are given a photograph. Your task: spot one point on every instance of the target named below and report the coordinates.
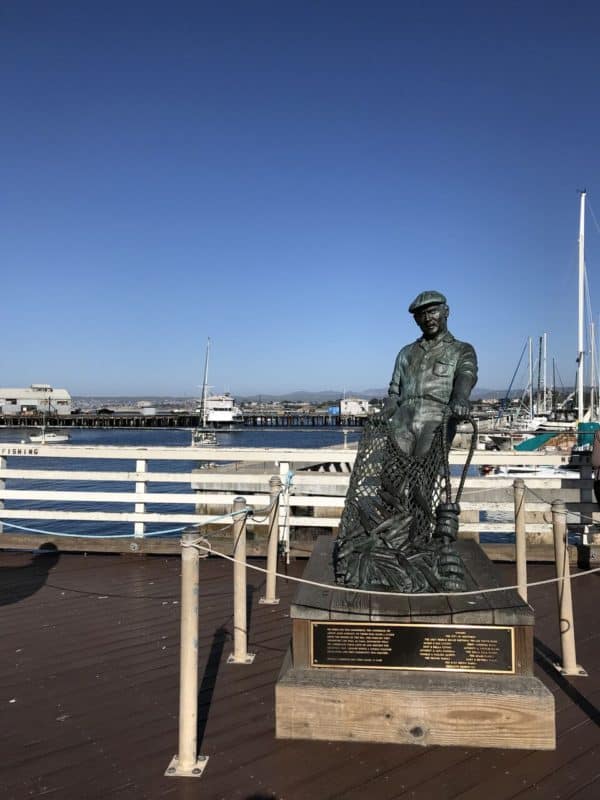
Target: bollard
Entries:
(284, 508)
(2, 486)
(240, 653)
(569, 664)
(272, 543)
(520, 537)
(187, 763)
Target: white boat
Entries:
(203, 436)
(49, 437)
(533, 471)
(560, 426)
(216, 411)
(221, 410)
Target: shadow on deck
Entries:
(89, 673)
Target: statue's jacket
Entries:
(439, 371)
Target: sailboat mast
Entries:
(205, 384)
(538, 401)
(580, 345)
(597, 372)
(530, 378)
(592, 370)
(545, 373)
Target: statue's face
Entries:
(432, 319)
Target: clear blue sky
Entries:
(285, 177)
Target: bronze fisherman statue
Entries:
(434, 373)
(399, 522)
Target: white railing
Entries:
(311, 499)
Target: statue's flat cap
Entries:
(429, 298)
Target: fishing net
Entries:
(398, 523)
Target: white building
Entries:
(354, 407)
(37, 398)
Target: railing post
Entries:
(569, 664)
(139, 528)
(2, 486)
(284, 508)
(240, 653)
(272, 543)
(520, 537)
(187, 763)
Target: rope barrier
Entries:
(337, 588)
(266, 510)
(248, 511)
(87, 535)
(565, 513)
(263, 511)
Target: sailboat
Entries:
(48, 437)
(586, 424)
(203, 436)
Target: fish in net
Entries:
(399, 524)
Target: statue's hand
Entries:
(460, 409)
(389, 409)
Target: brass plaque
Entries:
(372, 645)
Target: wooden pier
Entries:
(179, 420)
(89, 673)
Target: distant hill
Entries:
(298, 396)
(330, 395)
(301, 396)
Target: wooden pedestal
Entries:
(354, 672)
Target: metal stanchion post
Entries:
(520, 537)
(569, 664)
(187, 763)
(240, 653)
(272, 543)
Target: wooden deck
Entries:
(89, 670)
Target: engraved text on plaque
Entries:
(463, 648)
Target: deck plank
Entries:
(90, 658)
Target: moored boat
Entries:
(203, 436)
(49, 437)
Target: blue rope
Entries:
(87, 535)
(118, 535)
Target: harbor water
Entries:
(138, 437)
(156, 437)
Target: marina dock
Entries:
(89, 674)
(178, 420)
